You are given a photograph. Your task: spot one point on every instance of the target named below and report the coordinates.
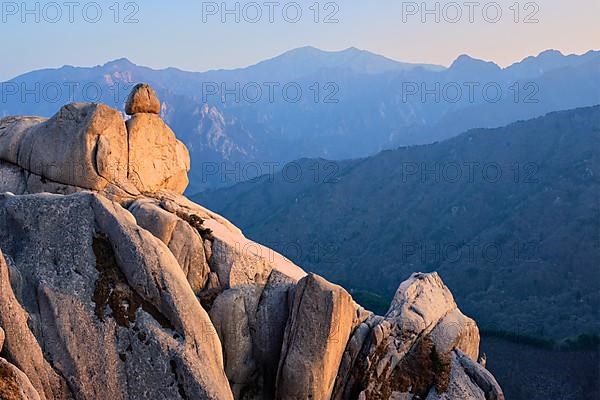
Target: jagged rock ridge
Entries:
(114, 285)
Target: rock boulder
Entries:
(157, 160)
(83, 145)
(142, 99)
(320, 323)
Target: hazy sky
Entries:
(192, 36)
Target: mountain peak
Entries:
(353, 50)
(548, 60)
(551, 53)
(304, 50)
(466, 60)
(119, 63)
(351, 58)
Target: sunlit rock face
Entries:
(142, 100)
(321, 320)
(422, 348)
(90, 146)
(115, 286)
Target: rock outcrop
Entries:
(412, 351)
(157, 160)
(89, 146)
(320, 323)
(114, 285)
(110, 307)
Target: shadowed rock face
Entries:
(116, 286)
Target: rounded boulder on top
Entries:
(142, 100)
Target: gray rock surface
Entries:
(239, 266)
(21, 344)
(251, 322)
(349, 376)
(12, 178)
(481, 376)
(455, 331)
(460, 386)
(271, 319)
(132, 313)
(411, 351)
(233, 316)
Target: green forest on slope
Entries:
(509, 217)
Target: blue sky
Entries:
(192, 35)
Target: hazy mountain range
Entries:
(312, 103)
(509, 217)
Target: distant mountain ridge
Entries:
(508, 217)
(352, 103)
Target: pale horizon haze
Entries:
(193, 37)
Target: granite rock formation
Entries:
(114, 285)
